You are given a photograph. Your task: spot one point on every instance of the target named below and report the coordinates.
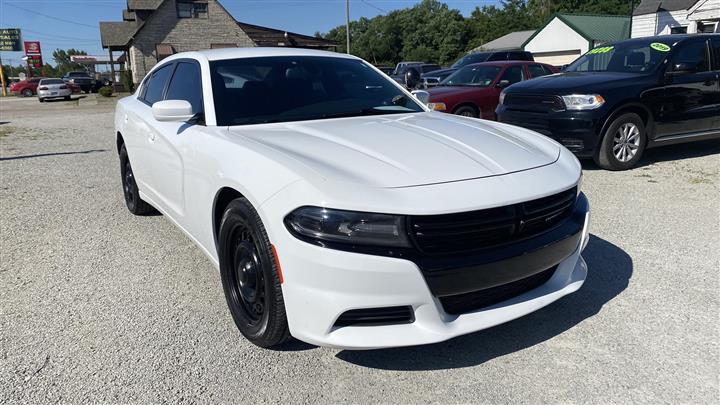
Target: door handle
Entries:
(151, 134)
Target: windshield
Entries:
(471, 58)
(297, 88)
(478, 76)
(632, 57)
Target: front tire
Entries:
(623, 143)
(250, 276)
(134, 203)
(467, 111)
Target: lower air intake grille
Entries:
(463, 303)
(376, 316)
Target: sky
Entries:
(74, 23)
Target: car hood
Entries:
(574, 82)
(438, 93)
(402, 150)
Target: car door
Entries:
(138, 132)
(715, 50)
(169, 140)
(688, 98)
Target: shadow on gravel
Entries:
(83, 152)
(669, 153)
(610, 269)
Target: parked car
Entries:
(436, 76)
(619, 99)
(473, 90)
(53, 88)
(83, 79)
(403, 67)
(319, 187)
(25, 88)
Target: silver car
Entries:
(53, 88)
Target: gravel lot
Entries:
(97, 305)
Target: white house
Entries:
(662, 17)
(566, 36)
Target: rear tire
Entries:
(41, 100)
(67, 98)
(250, 276)
(134, 203)
(467, 111)
(27, 93)
(622, 144)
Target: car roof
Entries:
(674, 38)
(237, 53)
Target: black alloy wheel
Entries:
(134, 203)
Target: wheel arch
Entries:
(631, 107)
(119, 141)
(222, 199)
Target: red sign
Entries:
(32, 48)
(35, 61)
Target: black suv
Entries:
(81, 79)
(618, 99)
(436, 76)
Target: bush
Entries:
(106, 91)
(127, 80)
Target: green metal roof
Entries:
(593, 27)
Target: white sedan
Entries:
(339, 209)
(53, 88)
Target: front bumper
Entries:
(321, 284)
(579, 131)
(54, 93)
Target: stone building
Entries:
(154, 29)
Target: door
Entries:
(715, 50)
(139, 132)
(688, 102)
(169, 140)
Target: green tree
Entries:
(48, 71)
(64, 64)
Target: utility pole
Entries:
(2, 78)
(632, 2)
(347, 23)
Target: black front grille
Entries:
(533, 102)
(477, 230)
(376, 316)
(463, 303)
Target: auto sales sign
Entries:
(10, 40)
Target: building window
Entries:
(678, 30)
(192, 9)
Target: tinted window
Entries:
(156, 84)
(693, 53)
(716, 53)
(519, 56)
(430, 68)
(513, 74)
(497, 56)
(471, 58)
(630, 57)
(538, 70)
(186, 85)
(296, 88)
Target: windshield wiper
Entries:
(364, 112)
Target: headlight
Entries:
(437, 106)
(501, 101)
(583, 101)
(349, 227)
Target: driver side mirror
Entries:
(502, 84)
(172, 111)
(422, 96)
(684, 68)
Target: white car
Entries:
(53, 88)
(339, 209)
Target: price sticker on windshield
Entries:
(660, 47)
(602, 49)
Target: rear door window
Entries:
(156, 85)
(715, 45)
(538, 70)
(694, 53)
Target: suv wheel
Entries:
(623, 143)
(467, 111)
